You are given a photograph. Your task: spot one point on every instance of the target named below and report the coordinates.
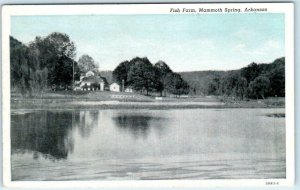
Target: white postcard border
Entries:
(8, 11)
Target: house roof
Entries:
(114, 83)
(92, 79)
(92, 72)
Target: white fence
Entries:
(121, 96)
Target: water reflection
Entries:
(85, 121)
(147, 144)
(52, 134)
(138, 125)
(45, 132)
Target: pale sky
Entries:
(189, 42)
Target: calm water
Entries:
(148, 144)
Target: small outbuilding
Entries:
(114, 87)
(129, 89)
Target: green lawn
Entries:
(106, 99)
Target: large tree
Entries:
(86, 63)
(64, 77)
(162, 70)
(251, 72)
(214, 86)
(56, 53)
(143, 76)
(176, 85)
(241, 90)
(120, 73)
(45, 62)
(53, 47)
(233, 84)
(259, 87)
(19, 66)
(276, 75)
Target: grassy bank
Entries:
(111, 100)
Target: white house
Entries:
(114, 87)
(90, 81)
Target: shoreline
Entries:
(92, 105)
(18, 111)
(122, 100)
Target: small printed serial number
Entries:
(272, 183)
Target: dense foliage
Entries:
(143, 76)
(56, 53)
(253, 81)
(47, 63)
(87, 63)
(120, 74)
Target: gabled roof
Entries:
(92, 79)
(114, 83)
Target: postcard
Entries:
(148, 95)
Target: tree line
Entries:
(46, 63)
(145, 77)
(255, 81)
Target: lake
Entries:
(148, 144)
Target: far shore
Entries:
(110, 100)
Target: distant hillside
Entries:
(199, 80)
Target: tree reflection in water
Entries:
(45, 132)
(51, 133)
(139, 125)
(48, 133)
